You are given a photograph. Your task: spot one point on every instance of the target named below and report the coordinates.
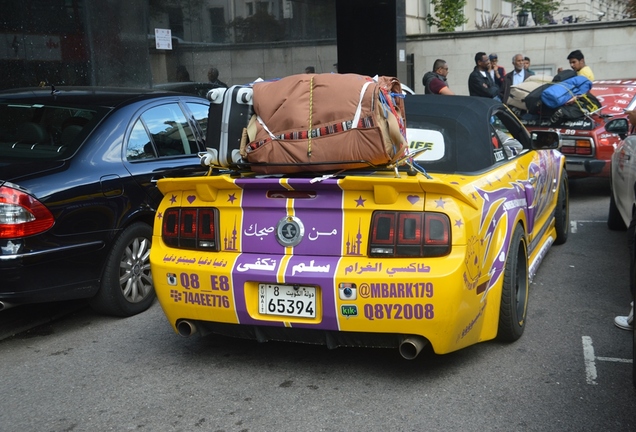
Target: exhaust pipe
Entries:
(411, 346)
(186, 328)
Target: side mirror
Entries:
(618, 126)
(545, 140)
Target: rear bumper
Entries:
(585, 167)
(49, 274)
(391, 299)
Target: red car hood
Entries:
(614, 95)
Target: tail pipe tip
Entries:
(411, 346)
(186, 328)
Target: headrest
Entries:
(69, 133)
(31, 133)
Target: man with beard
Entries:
(480, 82)
(518, 75)
(435, 82)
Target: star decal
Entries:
(459, 223)
(439, 203)
(360, 202)
(173, 199)
(159, 215)
(231, 198)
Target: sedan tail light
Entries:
(191, 228)
(21, 215)
(409, 234)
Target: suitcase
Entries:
(325, 122)
(533, 99)
(229, 114)
(519, 92)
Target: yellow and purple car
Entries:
(440, 251)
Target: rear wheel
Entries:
(614, 220)
(562, 212)
(126, 288)
(514, 294)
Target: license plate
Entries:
(287, 300)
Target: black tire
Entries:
(614, 220)
(126, 288)
(514, 293)
(562, 212)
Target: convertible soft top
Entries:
(464, 124)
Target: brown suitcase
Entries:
(355, 122)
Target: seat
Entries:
(69, 133)
(32, 133)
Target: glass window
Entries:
(200, 114)
(170, 131)
(139, 144)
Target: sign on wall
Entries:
(163, 39)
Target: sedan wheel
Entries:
(126, 287)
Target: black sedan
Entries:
(78, 172)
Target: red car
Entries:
(588, 143)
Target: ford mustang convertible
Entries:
(437, 250)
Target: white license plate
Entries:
(287, 300)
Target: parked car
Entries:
(78, 173)
(622, 208)
(191, 87)
(441, 252)
(588, 143)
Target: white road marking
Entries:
(574, 224)
(590, 360)
(614, 359)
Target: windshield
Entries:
(37, 131)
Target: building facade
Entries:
(145, 42)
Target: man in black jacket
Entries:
(479, 81)
(435, 82)
(516, 76)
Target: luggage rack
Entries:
(240, 168)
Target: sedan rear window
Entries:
(37, 131)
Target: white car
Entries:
(622, 210)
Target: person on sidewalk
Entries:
(577, 63)
(518, 75)
(480, 82)
(497, 73)
(526, 61)
(435, 81)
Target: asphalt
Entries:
(20, 319)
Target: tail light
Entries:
(191, 228)
(579, 147)
(409, 234)
(21, 215)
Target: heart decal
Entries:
(413, 198)
(191, 198)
